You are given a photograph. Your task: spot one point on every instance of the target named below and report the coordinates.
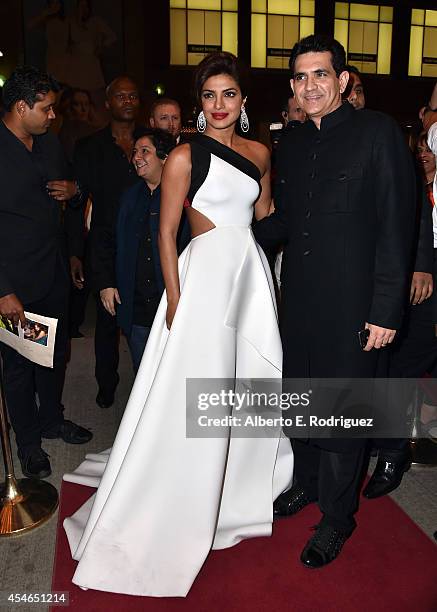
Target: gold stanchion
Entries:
(24, 503)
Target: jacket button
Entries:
(307, 252)
(282, 181)
(306, 234)
(342, 177)
(313, 175)
(308, 214)
(310, 194)
(313, 156)
(318, 141)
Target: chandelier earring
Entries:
(244, 120)
(201, 122)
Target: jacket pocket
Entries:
(340, 189)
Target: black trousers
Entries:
(79, 297)
(332, 479)
(78, 301)
(414, 354)
(23, 379)
(106, 343)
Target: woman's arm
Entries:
(175, 184)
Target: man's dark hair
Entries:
(284, 107)
(319, 43)
(161, 102)
(353, 70)
(27, 83)
(163, 141)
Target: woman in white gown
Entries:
(165, 499)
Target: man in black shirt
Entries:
(33, 270)
(104, 170)
(138, 270)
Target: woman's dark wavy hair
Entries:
(27, 83)
(163, 141)
(219, 62)
(318, 43)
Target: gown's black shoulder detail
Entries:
(230, 156)
(200, 162)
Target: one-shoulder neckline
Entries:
(246, 165)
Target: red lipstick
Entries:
(220, 115)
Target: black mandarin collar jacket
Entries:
(345, 209)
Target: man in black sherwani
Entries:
(345, 207)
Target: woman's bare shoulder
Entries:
(259, 148)
(180, 157)
(257, 153)
(181, 152)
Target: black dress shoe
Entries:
(104, 400)
(386, 477)
(35, 463)
(323, 547)
(291, 501)
(105, 397)
(70, 433)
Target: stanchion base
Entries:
(424, 452)
(35, 504)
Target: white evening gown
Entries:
(164, 500)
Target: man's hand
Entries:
(12, 309)
(76, 271)
(62, 190)
(109, 297)
(379, 336)
(421, 287)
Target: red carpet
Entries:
(388, 565)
